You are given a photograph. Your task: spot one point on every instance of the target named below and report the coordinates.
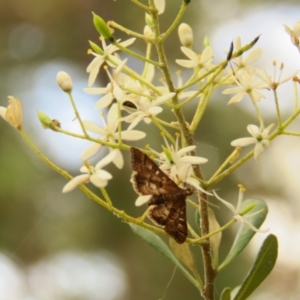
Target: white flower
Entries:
(178, 165)
(201, 61)
(246, 85)
(271, 81)
(13, 114)
(236, 211)
(144, 109)
(112, 90)
(294, 34)
(259, 138)
(110, 134)
(250, 58)
(96, 176)
(94, 67)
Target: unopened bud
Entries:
(102, 28)
(44, 119)
(149, 20)
(160, 6)
(148, 32)
(185, 33)
(96, 48)
(64, 81)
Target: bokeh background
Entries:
(65, 246)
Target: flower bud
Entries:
(149, 20)
(64, 81)
(96, 48)
(102, 28)
(13, 114)
(160, 6)
(185, 33)
(148, 32)
(44, 119)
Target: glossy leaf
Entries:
(263, 265)
(157, 243)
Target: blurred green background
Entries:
(65, 246)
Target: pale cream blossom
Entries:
(246, 85)
(109, 133)
(201, 61)
(95, 175)
(244, 61)
(94, 67)
(259, 138)
(271, 80)
(144, 108)
(111, 91)
(294, 34)
(237, 210)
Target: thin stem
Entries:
(136, 55)
(141, 5)
(279, 119)
(203, 238)
(176, 21)
(258, 113)
(296, 97)
(77, 114)
(202, 104)
(101, 142)
(228, 160)
(106, 196)
(291, 133)
(129, 32)
(163, 130)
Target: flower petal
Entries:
(80, 179)
(132, 135)
(90, 151)
(243, 142)
(142, 200)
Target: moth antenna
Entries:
(168, 284)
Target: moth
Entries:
(167, 204)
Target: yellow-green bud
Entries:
(168, 154)
(96, 48)
(206, 42)
(102, 28)
(149, 20)
(247, 209)
(44, 119)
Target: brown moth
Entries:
(167, 205)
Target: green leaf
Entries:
(215, 240)
(263, 265)
(226, 294)
(157, 243)
(245, 234)
(184, 255)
